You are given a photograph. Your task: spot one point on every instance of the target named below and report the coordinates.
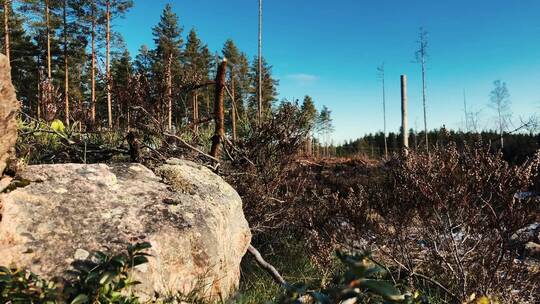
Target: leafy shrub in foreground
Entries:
(364, 282)
(101, 279)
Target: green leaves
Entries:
(101, 279)
(364, 281)
(383, 288)
(21, 286)
(58, 126)
(105, 277)
(80, 299)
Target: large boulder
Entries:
(194, 223)
(9, 106)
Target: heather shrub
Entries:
(448, 217)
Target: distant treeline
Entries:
(517, 147)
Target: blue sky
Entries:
(330, 50)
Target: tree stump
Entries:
(9, 106)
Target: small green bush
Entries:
(101, 279)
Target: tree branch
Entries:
(271, 270)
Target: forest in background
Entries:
(69, 64)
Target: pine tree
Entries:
(309, 115)
(44, 21)
(325, 127)
(197, 61)
(23, 54)
(167, 37)
(269, 89)
(122, 76)
(231, 52)
(243, 85)
(89, 15)
(113, 9)
(144, 62)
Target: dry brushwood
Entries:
(452, 214)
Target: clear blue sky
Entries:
(330, 50)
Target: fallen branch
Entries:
(271, 270)
(191, 147)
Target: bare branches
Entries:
(271, 270)
(192, 147)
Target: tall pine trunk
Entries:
(195, 105)
(93, 73)
(259, 81)
(424, 102)
(169, 93)
(38, 100)
(48, 29)
(6, 29)
(66, 68)
(107, 63)
(233, 108)
(384, 112)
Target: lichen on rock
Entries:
(76, 209)
(9, 107)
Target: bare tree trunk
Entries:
(48, 26)
(66, 68)
(384, 118)
(38, 99)
(93, 84)
(6, 28)
(500, 126)
(207, 103)
(195, 112)
(107, 63)
(381, 69)
(233, 109)
(169, 93)
(309, 146)
(259, 84)
(465, 110)
(424, 102)
(219, 115)
(404, 118)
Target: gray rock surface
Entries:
(194, 222)
(9, 106)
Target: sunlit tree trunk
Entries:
(38, 100)
(404, 116)
(195, 106)
(259, 97)
(66, 68)
(421, 55)
(48, 29)
(107, 63)
(382, 75)
(93, 72)
(169, 93)
(233, 109)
